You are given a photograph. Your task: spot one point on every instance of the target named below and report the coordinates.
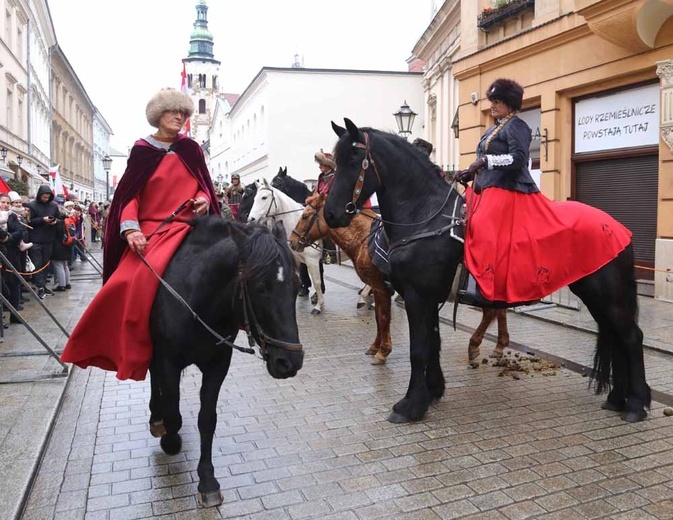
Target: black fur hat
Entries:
(507, 91)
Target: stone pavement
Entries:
(319, 445)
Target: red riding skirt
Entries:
(521, 247)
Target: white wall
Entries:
(298, 107)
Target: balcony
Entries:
(506, 10)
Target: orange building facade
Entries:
(598, 79)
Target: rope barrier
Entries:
(652, 269)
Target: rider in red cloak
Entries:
(164, 171)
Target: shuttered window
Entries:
(626, 188)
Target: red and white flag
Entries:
(57, 186)
(183, 88)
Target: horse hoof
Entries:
(473, 354)
(171, 444)
(370, 352)
(360, 305)
(302, 292)
(612, 407)
(157, 429)
(378, 361)
(636, 416)
(315, 312)
(212, 499)
(397, 418)
(496, 354)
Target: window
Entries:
(214, 82)
(189, 80)
(8, 28)
(202, 106)
(10, 109)
(19, 114)
(19, 44)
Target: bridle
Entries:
(351, 207)
(315, 220)
(249, 318)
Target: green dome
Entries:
(201, 33)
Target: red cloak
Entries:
(113, 333)
(522, 247)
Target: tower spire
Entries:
(201, 39)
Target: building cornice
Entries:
(509, 51)
(434, 35)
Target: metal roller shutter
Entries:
(627, 189)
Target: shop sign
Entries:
(622, 120)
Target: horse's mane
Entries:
(395, 150)
(262, 249)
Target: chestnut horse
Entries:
(353, 240)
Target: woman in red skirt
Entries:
(519, 245)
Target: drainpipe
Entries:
(30, 108)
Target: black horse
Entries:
(232, 276)
(414, 201)
(296, 190)
(246, 202)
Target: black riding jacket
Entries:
(506, 158)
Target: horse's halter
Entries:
(271, 205)
(249, 318)
(351, 207)
(315, 220)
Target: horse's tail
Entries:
(609, 342)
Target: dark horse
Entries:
(233, 276)
(246, 202)
(414, 201)
(296, 190)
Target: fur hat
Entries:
(168, 99)
(507, 91)
(68, 204)
(325, 159)
(13, 196)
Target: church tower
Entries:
(202, 74)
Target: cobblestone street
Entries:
(319, 445)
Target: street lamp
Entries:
(19, 160)
(405, 119)
(3, 152)
(220, 178)
(107, 163)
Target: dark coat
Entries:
(42, 232)
(507, 157)
(61, 251)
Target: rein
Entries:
(264, 338)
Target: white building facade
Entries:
(283, 118)
(101, 147)
(41, 38)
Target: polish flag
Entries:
(183, 88)
(57, 185)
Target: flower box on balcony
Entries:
(493, 15)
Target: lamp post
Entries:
(3, 152)
(220, 178)
(19, 160)
(405, 119)
(107, 163)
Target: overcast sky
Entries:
(125, 50)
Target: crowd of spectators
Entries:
(41, 240)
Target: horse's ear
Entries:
(285, 171)
(238, 236)
(337, 129)
(266, 184)
(353, 130)
(278, 231)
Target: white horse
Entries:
(273, 205)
